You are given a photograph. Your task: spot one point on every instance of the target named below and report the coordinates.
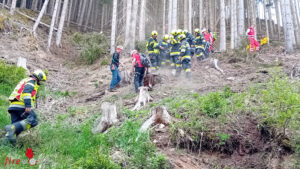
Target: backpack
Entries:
(144, 60)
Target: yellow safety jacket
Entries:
(18, 95)
(152, 46)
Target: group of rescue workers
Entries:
(175, 51)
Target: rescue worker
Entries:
(191, 40)
(114, 68)
(185, 55)
(213, 39)
(153, 50)
(175, 52)
(252, 40)
(21, 106)
(138, 69)
(164, 50)
(200, 45)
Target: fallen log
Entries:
(143, 98)
(158, 115)
(108, 118)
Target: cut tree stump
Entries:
(126, 78)
(295, 72)
(150, 80)
(158, 115)
(108, 118)
(143, 98)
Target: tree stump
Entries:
(158, 115)
(295, 72)
(108, 118)
(126, 78)
(143, 98)
(150, 80)
(214, 63)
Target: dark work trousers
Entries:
(138, 77)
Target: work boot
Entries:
(10, 133)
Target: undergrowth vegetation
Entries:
(92, 45)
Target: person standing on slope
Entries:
(138, 69)
(114, 68)
(251, 37)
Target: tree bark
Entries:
(52, 24)
(277, 17)
(241, 22)
(102, 17)
(190, 15)
(58, 12)
(70, 13)
(34, 5)
(164, 17)
(13, 7)
(170, 16)
(270, 21)
(186, 14)
(36, 24)
(142, 20)
(128, 23)
(133, 23)
(23, 3)
(61, 23)
(233, 24)
(81, 20)
(174, 14)
(295, 22)
(266, 21)
(114, 26)
(88, 14)
(201, 14)
(288, 31)
(222, 26)
(211, 16)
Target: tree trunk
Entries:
(88, 14)
(211, 16)
(170, 16)
(128, 23)
(288, 31)
(253, 15)
(102, 17)
(142, 20)
(233, 24)
(70, 13)
(164, 17)
(82, 13)
(52, 24)
(185, 14)
(277, 17)
(13, 7)
(36, 24)
(266, 21)
(113, 26)
(222, 26)
(23, 3)
(133, 23)
(201, 14)
(270, 21)
(61, 23)
(190, 15)
(295, 22)
(34, 4)
(58, 12)
(174, 14)
(241, 22)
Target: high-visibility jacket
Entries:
(185, 50)
(24, 95)
(165, 45)
(175, 47)
(152, 46)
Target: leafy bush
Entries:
(93, 45)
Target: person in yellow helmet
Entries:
(175, 52)
(22, 101)
(185, 55)
(164, 51)
(153, 50)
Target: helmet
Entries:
(182, 36)
(197, 30)
(154, 33)
(174, 32)
(120, 47)
(179, 31)
(40, 75)
(203, 30)
(166, 37)
(185, 31)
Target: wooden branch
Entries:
(31, 18)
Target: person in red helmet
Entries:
(138, 68)
(252, 40)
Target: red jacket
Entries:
(137, 58)
(251, 32)
(208, 37)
